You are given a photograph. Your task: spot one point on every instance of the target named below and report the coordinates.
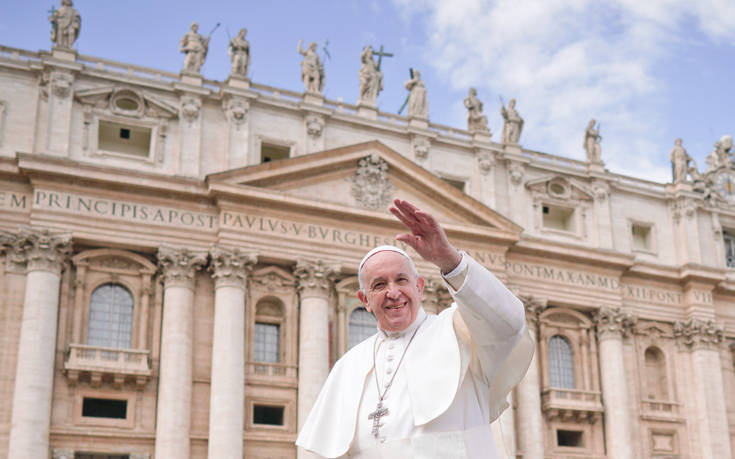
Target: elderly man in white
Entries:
(424, 386)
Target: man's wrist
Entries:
(460, 266)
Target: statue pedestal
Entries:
(190, 78)
(512, 148)
(422, 123)
(314, 98)
(237, 81)
(368, 111)
(481, 137)
(596, 166)
(64, 54)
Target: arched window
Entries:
(656, 374)
(561, 363)
(110, 317)
(267, 330)
(362, 325)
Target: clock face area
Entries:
(725, 183)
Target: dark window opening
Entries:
(268, 415)
(270, 152)
(571, 438)
(104, 408)
(124, 133)
(546, 210)
(458, 184)
(100, 456)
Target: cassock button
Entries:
(389, 357)
(391, 346)
(389, 370)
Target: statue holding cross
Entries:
(371, 78)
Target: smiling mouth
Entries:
(395, 306)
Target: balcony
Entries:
(660, 410)
(104, 364)
(571, 405)
(271, 373)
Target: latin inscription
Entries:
(123, 210)
(658, 295)
(564, 276)
(13, 201)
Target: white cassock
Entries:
(453, 382)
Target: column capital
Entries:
(314, 277)
(62, 453)
(612, 323)
(38, 249)
(436, 296)
(534, 306)
(698, 334)
(178, 265)
(229, 266)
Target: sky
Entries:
(648, 71)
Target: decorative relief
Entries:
(40, 249)
(15, 260)
(436, 296)
(315, 277)
(272, 279)
(58, 82)
(370, 184)
(698, 334)
(420, 147)
(600, 190)
(683, 207)
(178, 265)
(62, 453)
(116, 263)
(314, 125)
(236, 110)
(534, 307)
(127, 102)
(613, 323)
(485, 162)
(515, 173)
(190, 108)
(230, 266)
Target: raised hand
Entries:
(427, 237)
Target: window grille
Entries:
(561, 363)
(110, 317)
(362, 326)
(729, 241)
(267, 343)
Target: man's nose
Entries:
(393, 291)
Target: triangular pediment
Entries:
(135, 103)
(364, 177)
(559, 187)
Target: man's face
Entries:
(392, 291)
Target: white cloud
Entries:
(567, 61)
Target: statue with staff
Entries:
(195, 48)
(65, 25)
(512, 124)
(592, 139)
(312, 69)
(418, 106)
(239, 50)
(371, 77)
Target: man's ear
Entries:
(361, 296)
(420, 285)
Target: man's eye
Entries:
(378, 286)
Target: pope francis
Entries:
(424, 386)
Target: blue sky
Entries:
(649, 71)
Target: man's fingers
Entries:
(410, 224)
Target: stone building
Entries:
(179, 260)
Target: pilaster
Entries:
(190, 133)
(612, 326)
(236, 110)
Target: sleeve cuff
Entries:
(461, 268)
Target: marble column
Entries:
(45, 253)
(612, 326)
(703, 340)
(178, 267)
(531, 433)
(314, 284)
(229, 268)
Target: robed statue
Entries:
(65, 25)
(418, 106)
(239, 50)
(312, 70)
(512, 122)
(476, 121)
(371, 78)
(680, 160)
(592, 139)
(195, 47)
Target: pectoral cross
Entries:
(376, 415)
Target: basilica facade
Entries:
(178, 264)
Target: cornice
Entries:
(531, 245)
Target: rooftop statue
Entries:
(720, 156)
(371, 78)
(476, 121)
(312, 70)
(65, 25)
(513, 124)
(418, 106)
(195, 47)
(680, 163)
(239, 50)
(592, 139)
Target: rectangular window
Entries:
(104, 408)
(641, 236)
(120, 138)
(728, 238)
(268, 415)
(558, 218)
(271, 152)
(267, 343)
(570, 438)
